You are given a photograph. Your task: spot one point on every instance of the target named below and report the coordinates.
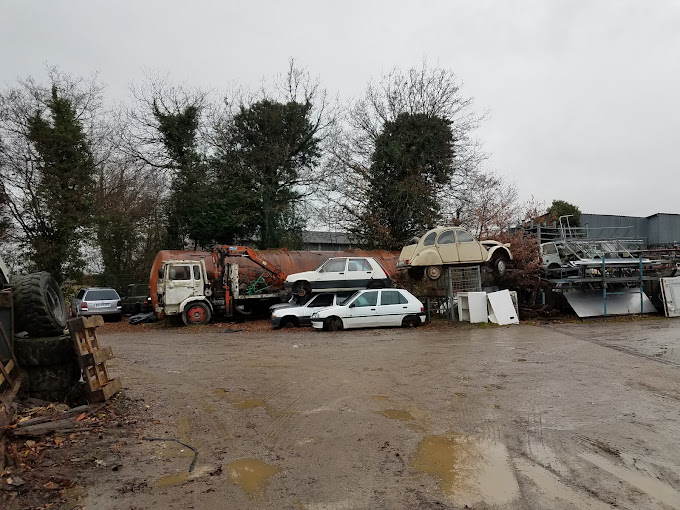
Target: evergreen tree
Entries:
(412, 160)
(62, 205)
(271, 149)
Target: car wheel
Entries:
(410, 322)
(500, 265)
(433, 272)
(335, 324)
(196, 314)
(416, 273)
(288, 323)
(301, 289)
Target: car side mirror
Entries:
(351, 305)
(160, 273)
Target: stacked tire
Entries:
(45, 354)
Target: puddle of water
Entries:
(250, 403)
(397, 414)
(652, 486)
(552, 488)
(380, 397)
(169, 481)
(670, 353)
(469, 469)
(251, 474)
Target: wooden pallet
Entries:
(92, 358)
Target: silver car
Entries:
(95, 301)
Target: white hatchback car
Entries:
(338, 274)
(372, 308)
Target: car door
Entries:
(331, 275)
(359, 273)
(392, 308)
(469, 249)
(362, 311)
(448, 249)
(180, 283)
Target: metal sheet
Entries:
(588, 303)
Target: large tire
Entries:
(52, 378)
(39, 306)
(196, 314)
(44, 351)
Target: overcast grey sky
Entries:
(583, 96)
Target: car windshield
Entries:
(345, 300)
(101, 295)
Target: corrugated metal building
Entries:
(657, 230)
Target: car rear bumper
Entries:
(90, 313)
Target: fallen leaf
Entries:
(30, 443)
(81, 417)
(51, 486)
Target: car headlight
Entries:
(273, 315)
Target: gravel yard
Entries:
(583, 415)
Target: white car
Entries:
(372, 308)
(299, 314)
(338, 274)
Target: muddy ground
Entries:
(533, 416)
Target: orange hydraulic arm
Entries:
(220, 252)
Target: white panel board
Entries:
(670, 293)
(478, 308)
(501, 309)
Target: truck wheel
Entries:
(44, 351)
(39, 305)
(433, 272)
(196, 314)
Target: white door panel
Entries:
(363, 313)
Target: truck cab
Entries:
(183, 288)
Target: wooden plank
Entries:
(106, 391)
(4, 371)
(97, 357)
(83, 323)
